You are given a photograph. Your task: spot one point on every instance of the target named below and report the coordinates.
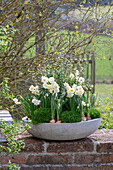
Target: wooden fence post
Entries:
(93, 72)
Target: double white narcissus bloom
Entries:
(79, 91)
(70, 92)
(44, 79)
(34, 89)
(50, 88)
(56, 88)
(31, 88)
(45, 86)
(51, 79)
(71, 76)
(36, 102)
(81, 80)
(53, 87)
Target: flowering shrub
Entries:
(72, 94)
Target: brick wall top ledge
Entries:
(92, 153)
(102, 140)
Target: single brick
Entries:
(49, 159)
(105, 167)
(33, 168)
(104, 147)
(4, 159)
(33, 145)
(18, 159)
(71, 146)
(93, 158)
(73, 168)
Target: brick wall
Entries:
(92, 153)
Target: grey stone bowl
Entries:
(63, 131)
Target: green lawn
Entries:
(104, 58)
(104, 90)
(104, 104)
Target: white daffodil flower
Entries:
(71, 90)
(37, 88)
(50, 87)
(71, 76)
(15, 100)
(31, 88)
(51, 91)
(81, 80)
(56, 90)
(77, 93)
(44, 79)
(66, 84)
(68, 88)
(33, 100)
(56, 86)
(77, 73)
(77, 78)
(79, 88)
(51, 79)
(33, 92)
(88, 105)
(70, 95)
(37, 102)
(83, 103)
(74, 86)
(45, 85)
(81, 92)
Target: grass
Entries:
(104, 70)
(104, 90)
(104, 104)
(104, 59)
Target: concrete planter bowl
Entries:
(63, 131)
